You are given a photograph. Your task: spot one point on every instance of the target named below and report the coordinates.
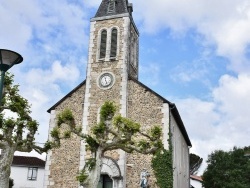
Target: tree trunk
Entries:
(94, 175)
(4, 179)
(6, 159)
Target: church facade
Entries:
(112, 75)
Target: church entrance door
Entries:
(105, 182)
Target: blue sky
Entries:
(195, 53)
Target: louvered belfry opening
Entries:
(113, 43)
(111, 7)
(103, 44)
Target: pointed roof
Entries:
(112, 7)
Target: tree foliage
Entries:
(228, 169)
(17, 131)
(162, 164)
(111, 133)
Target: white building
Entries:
(27, 172)
(195, 181)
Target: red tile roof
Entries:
(28, 161)
(198, 178)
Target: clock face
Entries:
(106, 80)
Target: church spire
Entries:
(113, 7)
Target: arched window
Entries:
(105, 182)
(113, 49)
(103, 44)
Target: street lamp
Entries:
(8, 58)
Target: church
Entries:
(112, 75)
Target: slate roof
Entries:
(28, 161)
(121, 8)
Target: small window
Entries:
(32, 173)
(111, 7)
(113, 43)
(105, 182)
(103, 44)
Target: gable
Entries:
(172, 107)
(74, 91)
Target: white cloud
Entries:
(224, 24)
(196, 70)
(43, 31)
(221, 123)
(52, 36)
(44, 87)
(152, 69)
(93, 3)
(57, 73)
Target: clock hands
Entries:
(106, 80)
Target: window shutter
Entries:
(30, 174)
(111, 7)
(103, 44)
(113, 43)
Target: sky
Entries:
(195, 53)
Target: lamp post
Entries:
(8, 58)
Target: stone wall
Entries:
(98, 96)
(134, 52)
(145, 108)
(107, 25)
(64, 161)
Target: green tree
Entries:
(228, 169)
(17, 133)
(111, 133)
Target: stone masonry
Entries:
(133, 100)
(64, 161)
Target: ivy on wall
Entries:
(162, 164)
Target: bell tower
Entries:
(112, 57)
(112, 60)
(112, 75)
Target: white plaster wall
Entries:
(20, 174)
(180, 157)
(195, 184)
(165, 123)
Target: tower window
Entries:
(103, 44)
(111, 7)
(113, 49)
